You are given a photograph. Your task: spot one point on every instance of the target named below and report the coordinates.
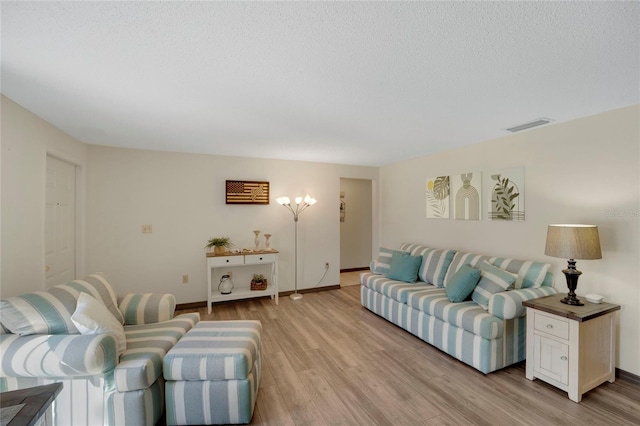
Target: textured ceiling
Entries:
(365, 83)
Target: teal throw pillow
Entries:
(404, 267)
(462, 283)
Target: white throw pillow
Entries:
(92, 317)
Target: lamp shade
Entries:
(570, 241)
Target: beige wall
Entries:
(26, 140)
(355, 232)
(583, 171)
(182, 197)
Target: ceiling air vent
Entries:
(525, 126)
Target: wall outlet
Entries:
(147, 229)
(185, 279)
(230, 274)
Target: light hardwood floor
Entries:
(329, 361)
(350, 278)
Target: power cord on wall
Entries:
(326, 269)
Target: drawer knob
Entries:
(260, 258)
(227, 260)
(564, 358)
(549, 326)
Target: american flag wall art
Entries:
(247, 192)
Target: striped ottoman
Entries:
(213, 373)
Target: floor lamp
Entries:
(301, 205)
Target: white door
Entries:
(60, 222)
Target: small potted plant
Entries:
(258, 282)
(219, 244)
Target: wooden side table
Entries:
(571, 347)
(36, 401)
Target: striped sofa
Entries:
(39, 344)
(486, 339)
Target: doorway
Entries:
(60, 222)
(356, 224)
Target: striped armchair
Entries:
(40, 344)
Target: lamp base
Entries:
(572, 275)
(572, 300)
(295, 296)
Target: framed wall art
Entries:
(505, 194)
(437, 194)
(467, 195)
(247, 192)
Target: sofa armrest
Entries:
(508, 304)
(147, 308)
(60, 355)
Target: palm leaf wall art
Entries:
(437, 194)
(506, 194)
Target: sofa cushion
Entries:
(466, 315)
(435, 262)
(462, 284)
(39, 312)
(404, 267)
(215, 350)
(49, 312)
(92, 317)
(461, 258)
(397, 290)
(492, 280)
(530, 274)
(382, 264)
(141, 364)
(98, 286)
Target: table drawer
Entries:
(259, 258)
(554, 326)
(225, 260)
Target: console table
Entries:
(571, 347)
(240, 260)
